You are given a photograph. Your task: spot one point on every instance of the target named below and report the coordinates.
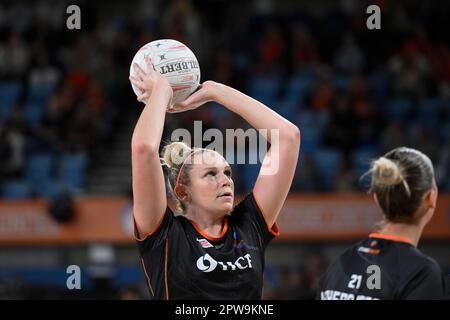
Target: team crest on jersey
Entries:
(204, 243)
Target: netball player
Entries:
(211, 249)
(387, 264)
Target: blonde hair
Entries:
(175, 153)
(386, 173)
(174, 159)
(400, 179)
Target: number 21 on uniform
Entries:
(373, 281)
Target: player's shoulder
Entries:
(428, 264)
(410, 255)
(414, 265)
(422, 278)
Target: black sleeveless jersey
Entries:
(182, 262)
(383, 267)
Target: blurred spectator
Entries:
(180, 21)
(410, 70)
(271, 49)
(41, 71)
(51, 135)
(306, 177)
(393, 136)
(322, 96)
(14, 56)
(348, 178)
(315, 56)
(304, 51)
(424, 139)
(341, 132)
(349, 57)
(12, 149)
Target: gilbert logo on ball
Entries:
(174, 60)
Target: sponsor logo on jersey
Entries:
(368, 250)
(206, 263)
(204, 243)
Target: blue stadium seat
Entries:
(361, 159)
(328, 163)
(38, 171)
(9, 94)
(34, 111)
(311, 139)
(286, 109)
(322, 119)
(398, 109)
(429, 112)
(313, 118)
(430, 105)
(50, 191)
(271, 276)
(264, 89)
(72, 171)
(342, 82)
(297, 88)
(40, 92)
(307, 118)
(16, 190)
(378, 86)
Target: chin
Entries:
(228, 208)
(225, 209)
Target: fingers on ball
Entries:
(137, 83)
(139, 72)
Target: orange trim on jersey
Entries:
(209, 237)
(165, 269)
(390, 237)
(148, 278)
(136, 233)
(274, 230)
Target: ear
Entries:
(430, 198)
(180, 192)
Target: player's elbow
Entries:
(292, 134)
(140, 148)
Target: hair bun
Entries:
(386, 172)
(175, 153)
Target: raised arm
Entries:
(272, 186)
(148, 179)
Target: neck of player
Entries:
(410, 232)
(210, 224)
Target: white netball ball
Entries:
(174, 60)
